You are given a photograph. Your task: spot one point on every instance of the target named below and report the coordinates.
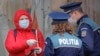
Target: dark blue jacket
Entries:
(85, 32)
(67, 45)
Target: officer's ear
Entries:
(75, 12)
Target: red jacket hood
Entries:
(17, 16)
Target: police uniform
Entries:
(66, 45)
(85, 31)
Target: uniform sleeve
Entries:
(14, 46)
(81, 52)
(48, 48)
(41, 42)
(87, 35)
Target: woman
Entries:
(23, 41)
(62, 42)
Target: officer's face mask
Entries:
(24, 22)
(72, 21)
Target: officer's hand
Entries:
(38, 50)
(31, 42)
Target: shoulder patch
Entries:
(83, 32)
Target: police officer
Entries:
(62, 42)
(86, 26)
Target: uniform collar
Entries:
(84, 16)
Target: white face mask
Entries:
(72, 21)
(24, 23)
